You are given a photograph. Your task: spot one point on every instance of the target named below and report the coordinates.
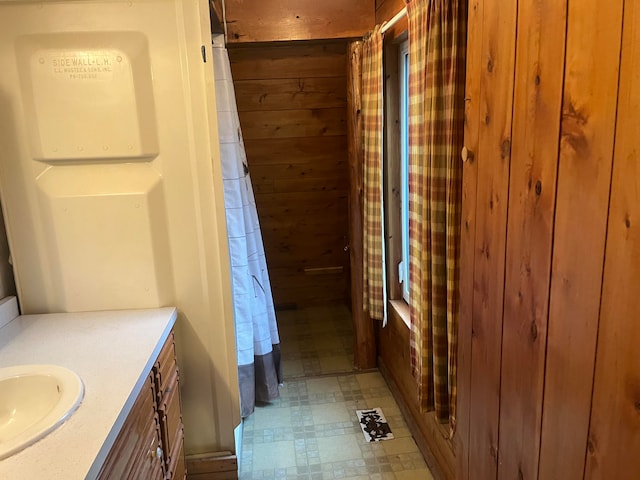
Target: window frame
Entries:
(393, 171)
(403, 100)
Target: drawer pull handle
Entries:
(157, 453)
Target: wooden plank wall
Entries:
(474, 68)
(534, 153)
(614, 431)
(550, 296)
(394, 362)
(292, 104)
(282, 20)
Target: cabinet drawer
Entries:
(177, 469)
(171, 418)
(133, 436)
(148, 465)
(166, 366)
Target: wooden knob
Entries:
(467, 155)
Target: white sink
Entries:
(34, 401)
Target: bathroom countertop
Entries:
(112, 352)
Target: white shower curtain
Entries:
(257, 341)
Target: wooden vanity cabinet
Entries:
(150, 443)
(169, 411)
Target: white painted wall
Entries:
(111, 179)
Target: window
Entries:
(403, 77)
(396, 170)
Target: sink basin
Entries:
(34, 401)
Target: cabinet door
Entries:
(177, 470)
(165, 367)
(171, 422)
(136, 445)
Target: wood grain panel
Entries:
(394, 359)
(294, 286)
(386, 11)
(277, 20)
(292, 98)
(532, 192)
(312, 256)
(302, 200)
(317, 184)
(270, 173)
(309, 225)
(311, 151)
(315, 295)
(291, 93)
(586, 150)
(293, 123)
(215, 467)
(283, 240)
(288, 61)
(493, 157)
(614, 434)
(467, 236)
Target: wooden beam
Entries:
(222, 466)
(293, 123)
(292, 60)
(280, 20)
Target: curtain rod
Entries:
(394, 20)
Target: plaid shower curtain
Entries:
(373, 254)
(437, 41)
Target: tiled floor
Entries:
(316, 341)
(311, 432)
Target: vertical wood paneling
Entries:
(586, 151)
(467, 238)
(532, 191)
(614, 434)
(570, 408)
(292, 102)
(493, 157)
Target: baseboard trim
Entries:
(212, 466)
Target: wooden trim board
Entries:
(218, 466)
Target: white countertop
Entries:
(112, 352)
